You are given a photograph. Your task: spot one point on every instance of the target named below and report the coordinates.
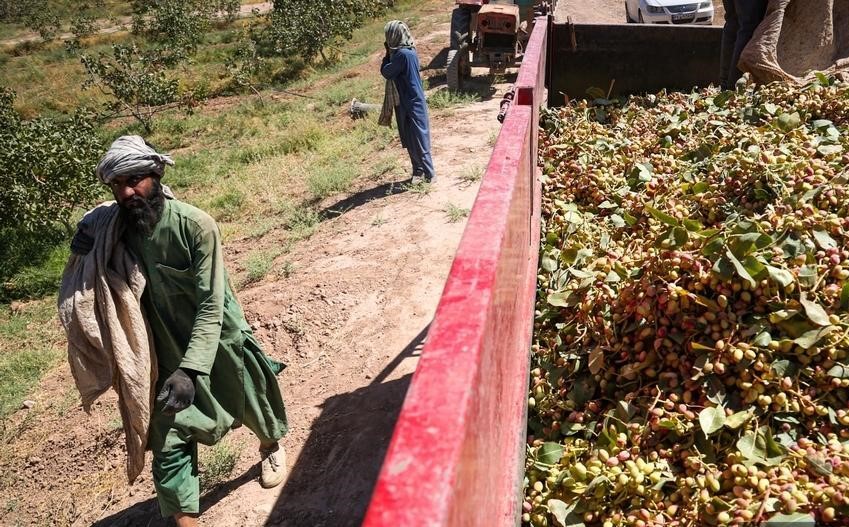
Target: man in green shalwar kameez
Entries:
(212, 374)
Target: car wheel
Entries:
(628, 15)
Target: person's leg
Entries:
(729, 35)
(175, 476)
(265, 413)
(750, 13)
(185, 520)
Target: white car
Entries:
(669, 11)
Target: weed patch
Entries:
(453, 213)
(446, 98)
(29, 338)
(216, 463)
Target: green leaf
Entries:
(722, 98)
(612, 277)
(808, 339)
(797, 519)
(818, 466)
(559, 299)
(824, 240)
(698, 188)
(680, 236)
(693, 225)
(752, 446)
(763, 339)
(617, 221)
(738, 419)
(815, 312)
(549, 264)
(844, 296)
(744, 274)
(782, 277)
(583, 390)
(808, 275)
(789, 121)
(827, 150)
(661, 216)
(711, 419)
(770, 108)
(565, 515)
(550, 453)
(596, 363)
(839, 371)
(784, 368)
(629, 219)
(822, 78)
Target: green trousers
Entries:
(174, 439)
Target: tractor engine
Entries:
(497, 28)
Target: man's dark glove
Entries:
(178, 392)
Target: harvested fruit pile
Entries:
(691, 352)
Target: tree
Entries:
(308, 27)
(137, 82)
(46, 172)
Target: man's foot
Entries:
(273, 466)
(416, 179)
(431, 179)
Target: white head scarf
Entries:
(398, 35)
(130, 155)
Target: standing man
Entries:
(212, 374)
(742, 17)
(400, 68)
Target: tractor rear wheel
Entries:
(461, 21)
(454, 72)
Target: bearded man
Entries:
(211, 372)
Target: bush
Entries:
(46, 172)
(307, 27)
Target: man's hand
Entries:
(178, 392)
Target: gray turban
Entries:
(398, 35)
(129, 155)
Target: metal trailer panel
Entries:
(456, 455)
(632, 58)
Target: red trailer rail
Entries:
(456, 456)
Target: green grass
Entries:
(29, 346)
(258, 264)
(446, 98)
(38, 280)
(453, 213)
(216, 463)
(471, 175)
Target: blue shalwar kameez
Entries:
(402, 67)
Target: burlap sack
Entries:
(798, 38)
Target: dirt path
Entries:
(349, 322)
(609, 11)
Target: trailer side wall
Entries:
(456, 456)
(633, 58)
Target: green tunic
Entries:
(197, 324)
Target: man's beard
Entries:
(145, 212)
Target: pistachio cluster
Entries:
(691, 349)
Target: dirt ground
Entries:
(349, 322)
(609, 11)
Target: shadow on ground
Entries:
(332, 480)
(361, 198)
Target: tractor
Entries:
(491, 34)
